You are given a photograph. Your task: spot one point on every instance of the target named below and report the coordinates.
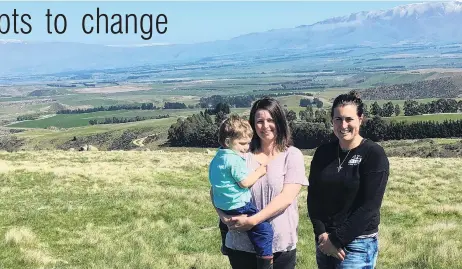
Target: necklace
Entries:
(339, 167)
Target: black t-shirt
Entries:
(346, 202)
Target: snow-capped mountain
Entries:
(415, 11)
(436, 22)
(414, 23)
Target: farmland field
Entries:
(152, 210)
(430, 117)
(76, 120)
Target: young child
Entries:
(230, 181)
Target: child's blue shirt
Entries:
(226, 170)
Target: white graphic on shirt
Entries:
(355, 160)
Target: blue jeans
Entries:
(261, 235)
(361, 253)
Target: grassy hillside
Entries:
(82, 120)
(101, 135)
(104, 136)
(152, 210)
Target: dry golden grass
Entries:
(152, 210)
(30, 249)
(20, 236)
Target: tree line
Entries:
(200, 130)
(125, 119)
(412, 107)
(378, 129)
(142, 106)
(304, 102)
(241, 101)
(28, 117)
(174, 105)
(387, 110)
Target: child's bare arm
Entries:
(253, 177)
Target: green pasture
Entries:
(152, 210)
(429, 117)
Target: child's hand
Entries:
(261, 170)
(227, 220)
(265, 163)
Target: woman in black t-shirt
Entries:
(347, 183)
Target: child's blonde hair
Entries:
(232, 128)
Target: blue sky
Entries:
(188, 22)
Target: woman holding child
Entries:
(274, 194)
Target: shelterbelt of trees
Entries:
(241, 100)
(200, 130)
(114, 120)
(142, 106)
(412, 107)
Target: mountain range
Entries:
(427, 24)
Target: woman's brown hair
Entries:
(283, 135)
